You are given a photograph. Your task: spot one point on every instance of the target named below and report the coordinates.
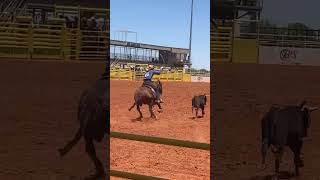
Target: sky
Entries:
(282, 12)
(165, 23)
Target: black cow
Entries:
(199, 102)
(285, 126)
(92, 117)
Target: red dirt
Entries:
(174, 122)
(38, 115)
(242, 95)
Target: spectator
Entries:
(83, 23)
(68, 22)
(93, 23)
(75, 22)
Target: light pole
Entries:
(190, 38)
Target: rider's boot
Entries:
(159, 100)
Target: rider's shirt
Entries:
(149, 74)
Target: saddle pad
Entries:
(153, 91)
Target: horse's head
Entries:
(159, 86)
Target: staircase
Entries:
(9, 9)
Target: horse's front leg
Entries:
(151, 111)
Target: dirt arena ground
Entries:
(174, 122)
(242, 94)
(38, 115)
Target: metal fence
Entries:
(156, 140)
(25, 40)
(221, 44)
(129, 74)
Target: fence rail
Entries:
(127, 175)
(156, 140)
(128, 74)
(159, 140)
(25, 40)
(221, 44)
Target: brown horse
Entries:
(144, 95)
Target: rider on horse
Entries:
(148, 81)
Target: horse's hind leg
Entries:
(132, 106)
(73, 142)
(151, 111)
(138, 109)
(90, 149)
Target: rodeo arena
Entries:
(172, 144)
(259, 73)
(49, 55)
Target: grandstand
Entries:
(129, 60)
(63, 30)
(132, 52)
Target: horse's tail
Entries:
(134, 104)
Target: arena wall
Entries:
(289, 55)
(245, 51)
(200, 79)
(127, 74)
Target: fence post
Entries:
(64, 53)
(30, 41)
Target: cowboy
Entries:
(148, 80)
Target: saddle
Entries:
(151, 88)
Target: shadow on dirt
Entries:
(144, 119)
(136, 119)
(199, 117)
(282, 175)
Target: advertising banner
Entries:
(289, 55)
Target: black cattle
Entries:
(199, 102)
(285, 126)
(92, 117)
